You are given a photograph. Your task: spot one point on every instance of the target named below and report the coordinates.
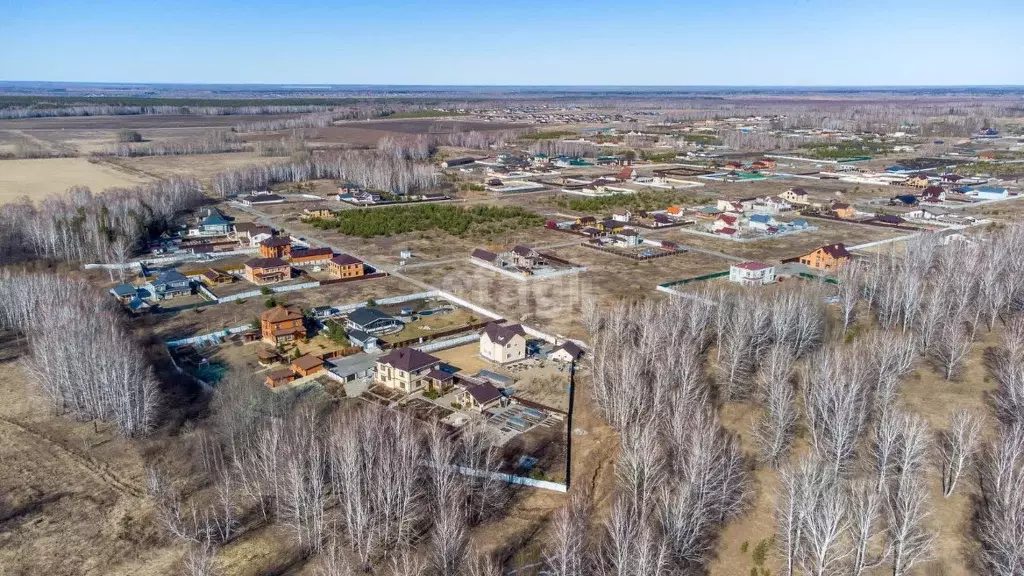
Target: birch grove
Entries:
(80, 355)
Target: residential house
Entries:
(622, 215)
(404, 369)
(628, 238)
(772, 205)
(752, 273)
(725, 221)
(349, 188)
(479, 396)
(215, 277)
(360, 197)
(610, 225)
(730, 206)
(260, 199)
(829, 258)
(171, 284)
(525, 257)
(282, 324)
(567, 352)
(627, 173)
(345, 266)
(904, 200)
(925, 213)
(674, 211)
(503, 344)
(933, 194)
(843, 210)
(987, 192)
(363, 340)
(797, 196)
(276, 247)
(251, 234)
(310, 213)
(761, 222)
(311, 256)
(918, 181)
(124, 292)
(372, 321)
(279, 377)
(951, 178)
(307, 365)
(586, 221)
(485, 256)
(465, 161)
(262, 271)
(214, 223)
(659, 220)
(889, 220)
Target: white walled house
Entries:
(752, 273)
(503, 344)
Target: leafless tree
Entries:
(569, 553)
(198, 561)
(836, 405)
(952, 349)
(775, 427)
(850, 288)
(907, 502)
(958, 445)
(867, 529)
(999, 518)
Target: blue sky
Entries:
(668, 42)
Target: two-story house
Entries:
(829, 258)
(262, 271)
(503, 344)
(282, 324)
(276, 247)
(752, 273)
(171, 284)
(405, 369)
(345, 266)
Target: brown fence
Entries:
(663, 252)
(363, 277)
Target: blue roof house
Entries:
(988, 192)
(171, 284)
(214, 223)
(762, 221)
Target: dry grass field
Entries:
(40, 178)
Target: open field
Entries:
(202, 166)
(40, 178)
(134, 122)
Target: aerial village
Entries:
(471, 269)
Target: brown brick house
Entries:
(282, 324)
(306, 365)
(275, 247)
(345, 266)
(829, 258)
(262, 271)
(311, 256)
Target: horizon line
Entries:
(308, 85)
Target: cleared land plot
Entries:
(787, 246)
(427, 326)
(40, 178)
(202, 166)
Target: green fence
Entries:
(711, 276)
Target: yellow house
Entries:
(405, 369)
(844, 211)
(796, 196)
(503, 344)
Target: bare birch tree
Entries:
(958, 444)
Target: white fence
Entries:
(478, 309)
(277, 290)
(212, 337)
(510, 479)
(448, 343)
